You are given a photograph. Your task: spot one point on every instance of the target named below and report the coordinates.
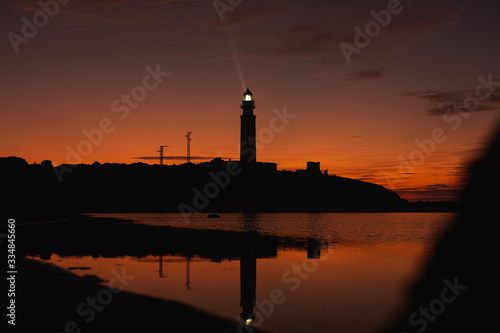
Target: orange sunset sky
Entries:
(359, 118)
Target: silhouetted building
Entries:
(313, 167)
(314, 248)
(248, 153)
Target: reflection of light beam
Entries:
(236, 58)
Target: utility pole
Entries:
(188, 156)
(161, 154)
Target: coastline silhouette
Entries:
(203, 187)
(217, 186)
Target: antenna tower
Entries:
(188, 156)
(161, 154)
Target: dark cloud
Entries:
(440, 102)
(369, 177)
(437, 192)
(364, 75)
(428, 17)
(307, 46)
(276, 31)
(111, 12)
(287, 31)
(416, 23)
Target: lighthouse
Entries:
(248, 153)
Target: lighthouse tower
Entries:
(248, 154)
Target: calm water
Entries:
(373, 228)
(352, 278)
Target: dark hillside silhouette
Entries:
(204, 187)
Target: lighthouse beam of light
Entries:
(235, 57)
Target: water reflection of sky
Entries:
(348, 288)
(284, 272)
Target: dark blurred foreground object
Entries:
(459, 290)
(52, 299)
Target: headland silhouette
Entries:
(215, 186)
